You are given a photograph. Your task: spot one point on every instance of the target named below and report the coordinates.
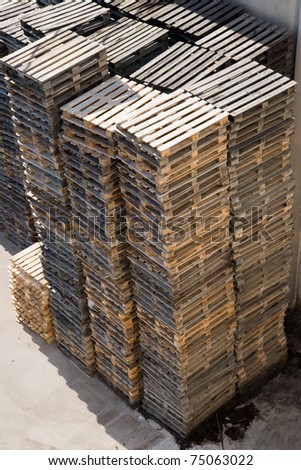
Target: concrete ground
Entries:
(46, 402)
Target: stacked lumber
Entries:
(90, 149)
(81, 16)
(41, 77)
(18, 224)
(259, 103)
(130, 43)
(29, 290)
(172, 162)
(181, 65)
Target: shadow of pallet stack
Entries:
(172, 162)
(41, 77)
(30, 292)
(90, 150)
(259, 103)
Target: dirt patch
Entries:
(293, 334)
(234, 420)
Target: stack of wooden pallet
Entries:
(41, 77)
(3, 182)
(17, 223)
(16, 212)
(29, 290)
(188, 19)
(81, 16)
(182, 64)
(68, 301)
(90, 157)
(130, 43)
(11, 9)
(259, 103)
(11, 33)
(220, 26)
(172, 161)
(3, 185)
(248, 37)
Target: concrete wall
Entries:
(282, 12)
(287, 13)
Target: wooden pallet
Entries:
(219, 26)
(248, 37)
(182, 64)
(130, 44)
(270, 351)
(11, 9)
(81, 16)
(187, 131)
(63, 271)
(63, 63)
(188, 19)
(256, 98)
(30, 292)
(12, 35)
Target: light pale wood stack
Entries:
(41, 77)
(30, 292)
(172, 163)
(260, 103)
(90, 153)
